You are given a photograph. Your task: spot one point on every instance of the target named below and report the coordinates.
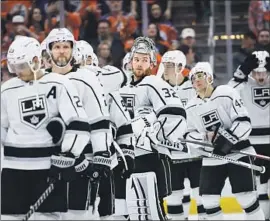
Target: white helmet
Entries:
(261, 55)
(204, 67)
(177, 57)
(43, 45)
(78, 54)
(22, 51)
(125, 61)
(60, 35)
(144, 45)
(95, 60)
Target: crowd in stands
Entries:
(111, 26)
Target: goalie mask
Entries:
(144, 45)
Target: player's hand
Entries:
(222, 146)
(62, 167)
(267, 66)
(129, 155)
(251, 62)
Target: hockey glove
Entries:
(62, 167)
(267, 66)
(223, 143)
(129, 155)
(56, 128)
(251, 62)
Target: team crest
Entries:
(261, 96)
(129, 100)
(33, 112)
(184, 102)
(211, 120)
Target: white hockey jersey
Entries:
(93, 100)
(224, 108)
(257, 101)
(153, 92)
(186, 92)
(26, 109)
(111, 77)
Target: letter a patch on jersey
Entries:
(261, 96)
(211, 120)
(33, 113)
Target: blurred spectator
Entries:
(202, 10)
(263, 40)
(121, 22)
(166, 6)
(258, 15)
(188, 38)
(72, 19)
(128, 45)
(167, 31)
(5, 75)
(153, 33)
(36, 23)
(104, 54)
(190, 56)
(105, 35)
(15, 7)
(247, 47)
(20, 28)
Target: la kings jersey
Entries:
(257, 101)
(153, 92)
(224, 108)
(26, 109)
(186, 92)
(93, 100)
(111, 77)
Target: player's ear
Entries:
(152, 66)
(35, 63)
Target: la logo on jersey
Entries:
(211, 120)
(33, 112)
(184, 102)
(129, 100)
(261, 96)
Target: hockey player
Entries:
(183, 164)
(253, 83)
(33, 151)
(212, 109)
(152, 171)
(122, 133)
(60, 46)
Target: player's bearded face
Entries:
(141, 65)
(61, 53)
(260, 77)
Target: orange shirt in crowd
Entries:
(7, 6)
(168, 32)
(124, 24)
(72, 22)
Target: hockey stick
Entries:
(94, 193)
(202, 151)
(40, 200)
(259, 156)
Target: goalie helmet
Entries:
(261, 55)
(204, 67)
(144, 45)
(22, 51)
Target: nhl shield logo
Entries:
(129, 100)
(261, 96)
(211, 120)
(33, 112)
